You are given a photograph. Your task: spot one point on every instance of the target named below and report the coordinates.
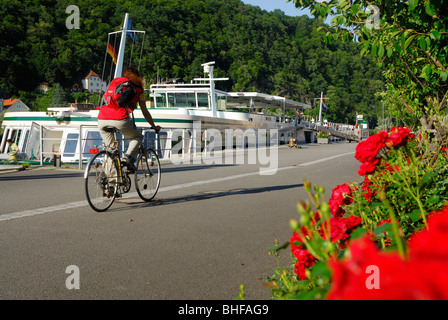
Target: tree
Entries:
(59, 98)
(409, 39)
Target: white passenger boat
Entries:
(191, 116)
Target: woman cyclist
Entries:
(116, 115)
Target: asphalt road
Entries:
(208, 232)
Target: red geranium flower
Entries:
(296, 242)
(304, 261)
(367, 191)
(431, 244)
(341, 195)
(422, 276)
(396, 279)
(341, 229)
(398, 136)
(368, 167)
(368, 149)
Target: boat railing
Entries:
(78, 146)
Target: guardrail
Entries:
(78, 146)
(340, 130)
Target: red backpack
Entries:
(120, 92)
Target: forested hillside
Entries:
(258, 50)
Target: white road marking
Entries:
(77, 204)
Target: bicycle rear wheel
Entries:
(147, 175)
(101, 181)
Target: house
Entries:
(93, 83)
(13, 105)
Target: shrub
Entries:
(377, 215)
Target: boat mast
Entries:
(320, 107)
(119, 67)
(208, 68)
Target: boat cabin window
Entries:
(149, 141)
(12, 134)
(182, 100)
(25, 141)
(221, 102)
(70, 144)
(93, 140)
(202, 100)
(160, 100)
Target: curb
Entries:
(13, 168)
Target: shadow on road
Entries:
(206, 195)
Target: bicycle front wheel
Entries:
(147, 175)
(101, 181)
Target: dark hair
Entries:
(8, 140)
(133, 75)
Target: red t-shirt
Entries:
(113, 111)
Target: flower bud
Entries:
(302, 207)
(304, 219)
(325, 209)
(307, 185)
(294, 224)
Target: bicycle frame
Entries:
(103, 183)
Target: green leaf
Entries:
(342, 3)
(374, 50)
(320, 269)
(408, 41)
(435, 34)
(358, 233)
(389, 52)
(415, 215)
(355, 8)
(428, 178)
(341, 20)
(429, 9)
(433, 199)
(426, 73)
(413, 4)
(444, 75)
(422, 43)
(380, 51)
(363, 52)
(281, 247)
(379, 231)
(393, 34)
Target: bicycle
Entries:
(106, 179)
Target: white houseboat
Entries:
(188, 114)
